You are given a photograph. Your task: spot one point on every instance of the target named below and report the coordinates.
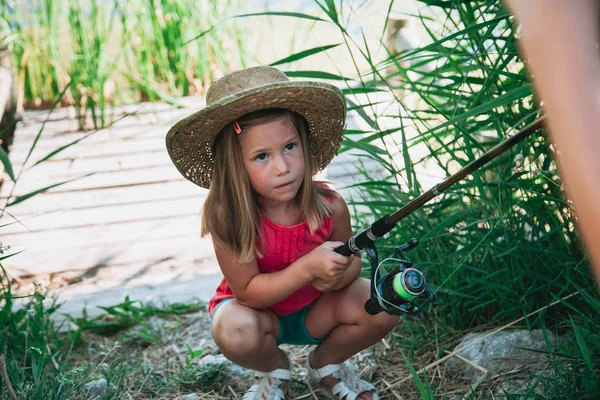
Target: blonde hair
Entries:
(230, 213)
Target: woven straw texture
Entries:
(190, 141)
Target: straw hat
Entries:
(190, 141)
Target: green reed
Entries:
(36, 48)
(177, 47)
(114, 52)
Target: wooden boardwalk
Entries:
(131, 227)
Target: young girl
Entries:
(257, 146)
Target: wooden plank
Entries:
(62, 133)
(121, 171)
(61, 220)
(182, 226)
(154, 281)
(75, 167)
(104, 190)
(103, 149)
(165, 171)
(124, 232)
(106, 198)
(109, 142)
(30, 183)
(190, 103)
(34, 261)
(136, 131)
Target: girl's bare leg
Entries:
(248, 337)
(340, 317)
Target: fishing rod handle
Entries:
(344, 249)
(366, 237)
(356, 243)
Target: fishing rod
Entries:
(395, 290)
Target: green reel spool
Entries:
(406, 285)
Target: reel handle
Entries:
(372, 308)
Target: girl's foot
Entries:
(337, 381)
(272, 386)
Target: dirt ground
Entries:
(382, 364)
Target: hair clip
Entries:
(237, 127)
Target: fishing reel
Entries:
(395, 291)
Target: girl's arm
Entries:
(261, 290)
(342, 231)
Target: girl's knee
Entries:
(385, 322)
(241, 332)
(360, 287)
(357, 291)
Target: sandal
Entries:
(269, 386)
(349, 387)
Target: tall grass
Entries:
(179, 47)
(36, 50)
(31, 347)
(90, 33)
(115, 51)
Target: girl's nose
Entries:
(281, 165)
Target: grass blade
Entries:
(316, 75)
(425, 392)
(11, 255)
(303, 54)
(282, 14)
(585, 351)
(62, 148)
(500, 101)
(7, 165)
(29, 195)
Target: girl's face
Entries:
(273, 157)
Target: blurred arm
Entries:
(559, 40)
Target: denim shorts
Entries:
(292, 327)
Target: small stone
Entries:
(503, 352)
(98, 386)
(97, 389)
(212, 359)
(220, 359)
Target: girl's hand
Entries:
(323, 285)
(327, 266)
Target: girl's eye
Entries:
(290, 146)
(261, 157)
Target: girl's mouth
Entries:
(285, 185)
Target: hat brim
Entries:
(189, 142)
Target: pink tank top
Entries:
(282, 246)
